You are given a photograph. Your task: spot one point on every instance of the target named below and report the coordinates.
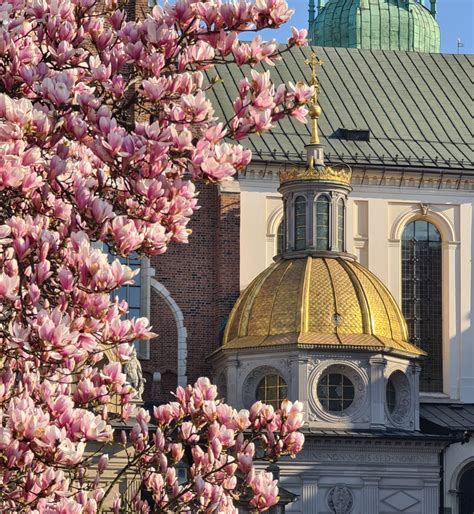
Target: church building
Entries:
(338, 269)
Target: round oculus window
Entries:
(335, 392)
(272, 390)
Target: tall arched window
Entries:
(422, 298)
(466, 491)
(280, 240)
(300, 223)
(131, 293)
(340, 225)
(323, 205)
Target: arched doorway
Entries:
(466, 491)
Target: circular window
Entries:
(272, 389)
(391, 396)
(335, 392)
(398, 399)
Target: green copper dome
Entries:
(375, 24)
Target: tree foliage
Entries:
(104, 127)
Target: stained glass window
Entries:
(272, 389)
(300, 223)
(322, 222)
(422, 297)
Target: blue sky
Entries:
(455, 17)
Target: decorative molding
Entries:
(178, 316)
(354, 371)
(403, 407)
(378, 456)
(253, 378)
(412, 213)
(325, 174)
(401, 501)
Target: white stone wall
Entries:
(376, 216)
(382, 478)
(457, 457)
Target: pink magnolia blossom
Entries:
(79, 170)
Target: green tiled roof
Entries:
(377, 25)
(417, 107)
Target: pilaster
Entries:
(370, 495)
(430, 496)
(232, 397)
(310, 495)
(377, 391)
(416, 370)
(299, 382)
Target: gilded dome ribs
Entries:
(303, 311)
(334, 300)
(318, 301)
(364, 306)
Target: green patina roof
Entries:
(416, 105)
(376, 24)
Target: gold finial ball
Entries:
(315, 111)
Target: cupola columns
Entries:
(433, 8)
(314, 197)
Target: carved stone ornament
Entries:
(424, 208)
(134, 374)
(340, 499)
(403, 402)
(358, 377)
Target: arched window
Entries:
(280, 238)
(131, 293)
(323, 204)
(300, 223)
(466, 491)
(340, 225)
(422, 298)
(272, 389)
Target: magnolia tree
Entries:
(104, 127)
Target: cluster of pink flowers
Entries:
(218, 446)
(104, 123)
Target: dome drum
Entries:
(377, 25)
(338, 389)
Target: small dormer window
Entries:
(323, 204)
(300, 223)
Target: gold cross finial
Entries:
(313, 62)
(314, 109)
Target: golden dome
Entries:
(318, 302)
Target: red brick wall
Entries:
(163, 355)
(203, 279)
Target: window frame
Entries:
(410, 312)
(329, 203)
